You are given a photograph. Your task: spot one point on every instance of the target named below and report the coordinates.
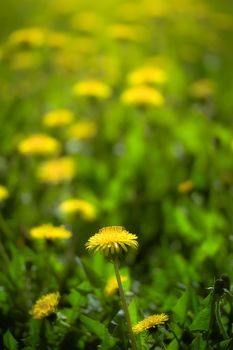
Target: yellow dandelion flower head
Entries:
(129, 12)
(57, 40)
(48, 231)
(82, 130)
(34, 37)
(142, 96)
(202, 88)
(87, 22)
(92, 88)
(128, 32)
(147, 75)
(73, 205)
(112, 240)
(39, 144)
(58, 117)
(112, 286)
(150, 322)
(45, 306)
(185, 187)
(4, 194)
(25, 60)
(57, 170)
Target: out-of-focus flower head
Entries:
(146, 75)
(25, 60)
(39, 144)
(87, 22)
(57, 170)
(82, 130)
(48, 231)
(4, 194)
(92, 88)
(185, 187)
(73, 206)
(202, 88)
(58, 117)
(127, 32)
(32, 37)
(142, 95)
(45, 306)
(112, 285)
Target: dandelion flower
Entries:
(147, 75)
(150, 322)
(34, 37)
(112, 239)
(86, 22)
(57, 170)
(127, 32)
(48, 231)
(142, 96)
(58, 117)
(185, 187)
(202, 88)
(82, 130)
(92, 88)
(4, 194)
(112, 285)
(39, 144)
(45, 306)
(73, 205)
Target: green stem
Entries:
(124, 304)
(218, 319)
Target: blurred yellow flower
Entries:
(185, 187)
(147, 75)
(58, 117)
(86, 22)
(92, 88)
(112, 285)
(39, 144)
(73, 205)
(202, 88)
(127, 32)
(4, 194)
(150, 322)
(57, 170)
(48, 231)
(45, 306)
(142, 95)
(82, 130)
(25, 60)
(57, 40)
(28, 36)
(111, 240)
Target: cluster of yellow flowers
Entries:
(109, 240)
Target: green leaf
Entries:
(100, 330)
(9, 341)
(226, 344)
(198, 343)
(181, 308)
(174, 345)
(201, 321)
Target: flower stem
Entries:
(124, 304)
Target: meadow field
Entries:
(116, 175)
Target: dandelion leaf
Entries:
(100, 330)
(9, 341)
